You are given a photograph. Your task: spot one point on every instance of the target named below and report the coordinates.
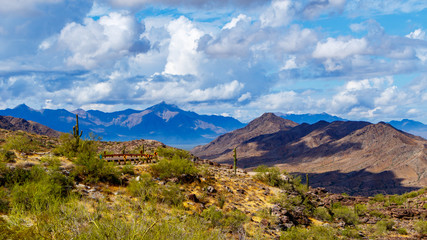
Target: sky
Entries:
(359, 59)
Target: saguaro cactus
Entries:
(307, 181)
(235, 160)
(76, 133)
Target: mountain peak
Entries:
(270, 119)
(164, 106)
(23, 107)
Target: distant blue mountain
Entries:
(407, 125)
(411, 126)
(163, 122)
(310, 118)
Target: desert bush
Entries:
(7, 156)
(350, 232)
(395, 199)
(145, 188)
(213, 216)
(174, 167)
(383, 226)
(171, 194)
(67, 146)
(421, 227)
(268, 175)
(379, 198)
(346, 214)
(313, 233)
(21, 143)
(322, 213)
(41, 191)
(360, 209)
(91, 169)
(234, 220)
(173, 152)
(128, 169)
(4, 200)
(402, 231)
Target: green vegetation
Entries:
(421, 227)
(346, 214)
(313, 233)
(174, 167)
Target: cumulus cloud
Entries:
(369, 98)
(279, 13)
(417, 34)
(314, 8)
(183, 57)
(101, 41)
(340, 48)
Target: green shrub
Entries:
(213, 215)
(7, 156)
(234, 220)
(175, 167)
(376, 213)
(346, 214)
(4, 200)
(396, 199)
(421, 227)
(128, 169)
(268, 175)
(41, 191)
(312, 233)
(402, 231)
(66, 146)
(379, 198)
(91, 169)
(322, 213)
(360, 209)
(145, 188)
(383, 226)
(171, 194)
(170, 153)
(21, 143)
(350, 233)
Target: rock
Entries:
(211, 189)
(193, 197)
(241, 191)
(228, 189)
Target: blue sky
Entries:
(360, 59)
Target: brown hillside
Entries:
(268, 123)
(353, 157)
(14, 124)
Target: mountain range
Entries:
(407, 125)
(163, 122)
(345, 156)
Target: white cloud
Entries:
(183, 57)
(234, 21)
(417, 34)
(340, 48)
(279, 13)
(98, 41)
(317, 7)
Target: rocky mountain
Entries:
(411, 126)
(310, 118)
(407, 125)
(15, 124)
(344, 156)
(162, 122)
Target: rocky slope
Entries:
(352, 157)
(14, 124)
